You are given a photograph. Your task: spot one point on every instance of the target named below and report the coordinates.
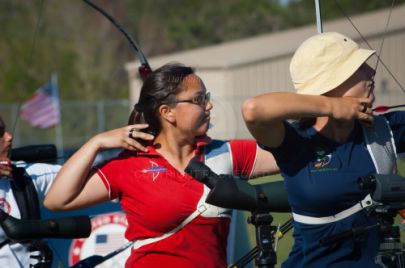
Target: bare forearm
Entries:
(275, 107)
(264, 114)
(75, 187)
(72, 177)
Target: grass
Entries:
(285, 244)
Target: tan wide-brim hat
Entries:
(325, 61)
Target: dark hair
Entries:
(160, 87)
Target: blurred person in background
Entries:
(168, 219)
(334, 140)
(22, 189)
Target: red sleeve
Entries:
(110, 173)
(243, 156)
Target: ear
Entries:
(167, 113)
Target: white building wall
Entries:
(235, 71)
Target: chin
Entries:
(202, 130)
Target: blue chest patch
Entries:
(323, 161)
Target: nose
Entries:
(208, 105)
(372, 97)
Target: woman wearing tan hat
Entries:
(336, 141)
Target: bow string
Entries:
(380, 108)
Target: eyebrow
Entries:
(201, 92)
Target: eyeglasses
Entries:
(200, 100)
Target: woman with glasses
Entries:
(321, 156)
(168, 219)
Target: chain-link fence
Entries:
(80, 120)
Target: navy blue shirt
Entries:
(321, 180)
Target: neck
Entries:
(333, 129)
(177, 149)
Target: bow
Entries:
(380, 108)
(144, 70)
(29, 60)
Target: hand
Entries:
(41, 255)
(126, 137)
(6, 169)
(349, 108)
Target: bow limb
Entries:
(29, 60)
(144, 69)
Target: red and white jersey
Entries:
(157, 198)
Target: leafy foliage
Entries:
(89, 53)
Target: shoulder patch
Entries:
(215, 148)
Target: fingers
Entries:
(365, 114)
(349, 108)
(134, 132)
(363, 107)
(367, 101)
(364, 104)
(135, 145)
(138, 126)
(123, 138)
(136, 136)
(5, 170)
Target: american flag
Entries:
(106, 243)
(43, 109)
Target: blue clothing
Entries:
(321, 180)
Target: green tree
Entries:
(89, 53)
(301, 12)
